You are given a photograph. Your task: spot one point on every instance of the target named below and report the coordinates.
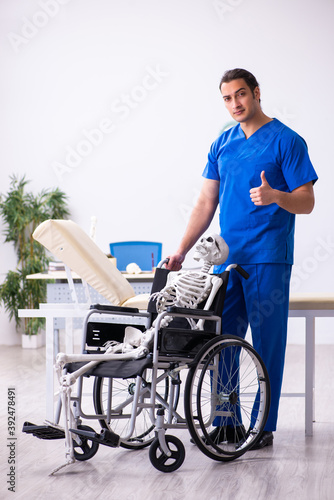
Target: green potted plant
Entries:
(22, 212)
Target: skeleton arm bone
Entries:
(216, 284)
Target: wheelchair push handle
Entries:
(240, 270)
(163, 262)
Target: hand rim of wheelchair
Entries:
(196, 425)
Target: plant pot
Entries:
(33, 341)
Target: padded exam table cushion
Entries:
(69, 243)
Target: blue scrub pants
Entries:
(262, 302)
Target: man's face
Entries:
(239, 100)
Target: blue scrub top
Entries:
(258, 234)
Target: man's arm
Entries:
(299, 201)
(199, 221)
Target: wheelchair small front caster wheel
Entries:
(161, 461)
(87, 449)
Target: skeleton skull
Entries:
(212, 248)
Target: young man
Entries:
(260, 175)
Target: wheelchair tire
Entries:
(227, 398)
(87, 449)
(122, 391)
(161, 461)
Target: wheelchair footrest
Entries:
(106, 437)
(43, 431)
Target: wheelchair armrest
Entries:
(105, 307)
(190, 312)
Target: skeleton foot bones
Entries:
(184, 289)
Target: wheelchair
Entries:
(137, 402)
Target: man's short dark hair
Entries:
(235, 74)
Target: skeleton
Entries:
(184, 289)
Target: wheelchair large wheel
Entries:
(227, 398)
(118, 395)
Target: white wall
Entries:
(147, 74)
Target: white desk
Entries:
(59, 291)
(144, 276)
(310, 306)
(301, 306)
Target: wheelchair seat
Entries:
(114, 369)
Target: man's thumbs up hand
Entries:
(262, 195)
